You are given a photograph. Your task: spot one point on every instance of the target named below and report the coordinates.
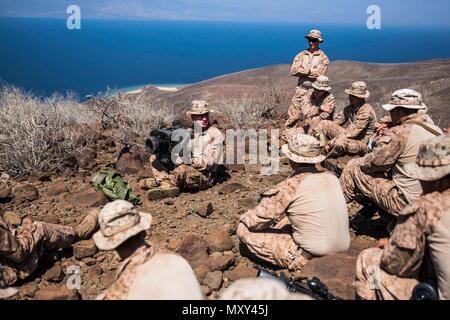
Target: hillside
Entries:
(431, 78)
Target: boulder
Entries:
(205, 210)
(54, 274)
(213, 280)
(84, 249)
(194, 249)
(57, 189)
(219, 241)
(25, 192)
(241, 271)
(87, 198)
(56, 292)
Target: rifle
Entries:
(316, 288)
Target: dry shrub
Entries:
(39, 134)
(256, 110)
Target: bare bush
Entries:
(255, 110)
(38, 134)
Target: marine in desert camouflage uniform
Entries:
(301, 217)
(369, 176)
(419, 247)
(316, 105)
(349, 133)
(308, 65)
(145, 271)
(206, 147)
(22, 247)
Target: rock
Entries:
(201, 271)
(236, 167)
(205, 210)
(145, 173)
(26, 192)
(84, 249)
(4, 177)
(54, 274)
(109, 278)
(232, 187)
(240, 272)
(174, 244)
(51, 218)
(219, 241)
(221, 263)
(12, 218)
(247, 202)
(213, 280)
(95, 272)
(57, 189)
(194, 249)
(86, 158)
(230, 228)
(130, 163)
(169, 202)
(5, 193)
(29, 289)
(39, 176)
(55, 292)
(205, 290)
(87, 198)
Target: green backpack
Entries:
(113, 186)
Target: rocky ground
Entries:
(200, 226)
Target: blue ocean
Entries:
(43, 56)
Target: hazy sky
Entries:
(403, 12)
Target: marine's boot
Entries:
(165, 190)
(88, 225)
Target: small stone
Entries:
(26, 192)
(213, 280)
(57, 189)
(12, 218)
(89, 261)
(240, 272)
(56, 292)
(108, 278)
(5, 193)
(219, 241)
(87, 198)
(205, 290)
(232, 187)
(174, 244)
(221, 263)
(169, 202)
(51, 218)
(85, 248)
(247, 203)
(95, 271)
(205, 210)
(54, 274)
(194, 249)
(201, 271)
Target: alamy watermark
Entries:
(374, 19)
(74, 20)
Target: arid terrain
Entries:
(200, 226)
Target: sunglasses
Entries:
(313, 40)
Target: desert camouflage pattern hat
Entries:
(433, 160)
(315, 34)
(405, 98)
(322, 83)
(302, 148)
(199, 107)
(359, 89)
(119, 220)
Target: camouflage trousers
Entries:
(373, 283)
(189, 178)
(274, 245)
(383, 192)
(340, 146)
(34, 240)
(295, 109)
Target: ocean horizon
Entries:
(43, 56)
